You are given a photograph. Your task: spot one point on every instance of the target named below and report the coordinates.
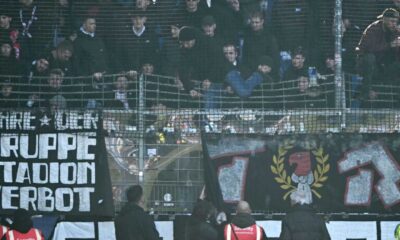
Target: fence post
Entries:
(141, 128)
(340, 96)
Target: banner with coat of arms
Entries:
(335, 172)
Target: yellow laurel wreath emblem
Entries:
(285, 180)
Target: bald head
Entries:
(243, 207)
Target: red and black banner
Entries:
(336, 172)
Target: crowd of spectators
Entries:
(63, 49)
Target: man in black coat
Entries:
(138, 43)
(133, 223)
(302, 223)
(199, 60)
(90, 56)
(199, 227)
(258, 41)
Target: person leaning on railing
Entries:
(379, 53)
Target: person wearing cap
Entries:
(22, 227)
(209, 27)
(199, 61)
(302, 222)
(379, 53)
(139, 42)
(244, 87)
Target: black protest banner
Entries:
(54, 163)
(336, 172)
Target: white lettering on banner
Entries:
(15, 145)
(23, 175)
(73, 120)
(9, 143)
(48, 170)
(84, 142)
(66, 143)
(65, 173)
(359, 187)
(76, 120)
(16, 120)
(44, 199)
(231, 178)
(6, 197)
(7, 173)
(24, 146)
(47, 142)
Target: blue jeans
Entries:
(212, 96)
(243, 87)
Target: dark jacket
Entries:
(302, 223)
(133, 223)
(199, 63)
(10, 102)
(376, 40)
(244, 220)
(200, 230)
(89, 55)
(292, 73)
(133, 50)
(257, 44)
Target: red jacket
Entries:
(32, 234)
(253, 232)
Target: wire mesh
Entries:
(171, 118)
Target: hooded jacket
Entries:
(302, 223)
(133, 223)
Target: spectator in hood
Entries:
(133, 222)
(302, 223)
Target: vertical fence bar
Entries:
(340, 100)
(141, 129)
